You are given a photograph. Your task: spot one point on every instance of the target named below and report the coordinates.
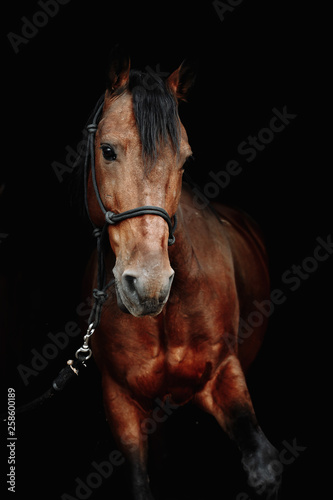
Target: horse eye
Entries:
(108, 152)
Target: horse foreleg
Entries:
(227, 398)
(125, 418)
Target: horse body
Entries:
(184, 346)
(180, 342)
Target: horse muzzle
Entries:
(144, 293)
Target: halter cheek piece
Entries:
(111, 218)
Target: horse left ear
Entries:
(181, 80)
(119, 69)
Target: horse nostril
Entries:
(130, 282)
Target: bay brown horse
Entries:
(169, 331)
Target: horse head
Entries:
(141, 147)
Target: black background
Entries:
(263, 55)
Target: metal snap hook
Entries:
(84, 352)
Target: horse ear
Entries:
(181, 80)
(119, 69)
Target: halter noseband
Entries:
(112, 218)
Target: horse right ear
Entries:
(181, 80)
(119, 69)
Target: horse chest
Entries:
(175, 355)
(177, 371)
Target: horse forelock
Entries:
(156, 113)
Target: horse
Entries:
(184, 279)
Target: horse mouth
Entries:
(148, 307)
(121, 304)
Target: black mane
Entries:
(155, 111)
